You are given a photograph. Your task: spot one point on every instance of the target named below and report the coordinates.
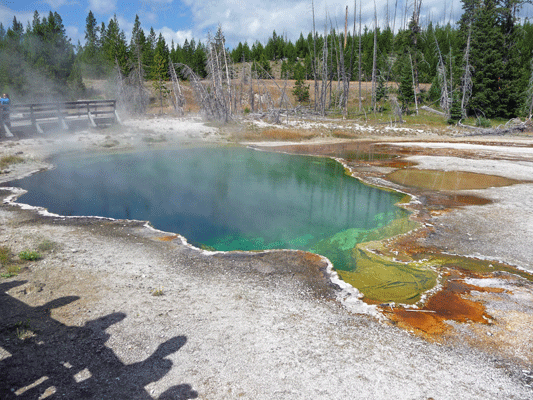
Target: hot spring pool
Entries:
(226, 198)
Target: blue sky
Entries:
(241, 20)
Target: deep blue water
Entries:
(228, 198)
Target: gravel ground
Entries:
(118, 310)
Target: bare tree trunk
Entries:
(394, 19)
(374, 58)
(314, 55)
(530, 92)
(350, 73)
(450, 81)
(330, 69)
(360, 91)
(345, 28)
(414, 82)
(228, 78)
(179, 100)
(441, 71)
(467, 76)
(251, 89)
(324, 74)
(415, 29)
(345, 79)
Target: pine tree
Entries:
(455, 110)
(300, 90)
(262, 67)
(91, 54)
(75, 82)
(148, 51)
(159, 66)
(497, 81)
(159, 74)
(406, 94)
(114, 47)
(199, 60)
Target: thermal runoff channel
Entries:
(224, 198)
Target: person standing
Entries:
(4, 104)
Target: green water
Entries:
(226, 198)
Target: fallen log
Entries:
(512, 126)
(432, 110)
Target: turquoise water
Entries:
(225, 198)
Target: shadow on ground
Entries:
(51, 360)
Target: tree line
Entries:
(480, 66)
(38, 62)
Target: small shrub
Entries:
(110, 143)
(46, 245)
(455, 111)
(29, 255)
(483, 122)
(158, 292)
(9, 268)
(23, 330)
(247, 110)
(157, 139)
(301, 91)
(5, 255)
(10, 271)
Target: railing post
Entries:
(34, 121)
(62, 122)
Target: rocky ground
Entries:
(118, 310)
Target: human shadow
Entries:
(47, 357)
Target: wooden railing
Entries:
(95, 112)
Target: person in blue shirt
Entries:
(4, 107)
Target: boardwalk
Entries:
(43, 117)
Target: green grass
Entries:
(5, 255)
(10, 271)
(8, 160)
(8, 267)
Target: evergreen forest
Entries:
(481, 66)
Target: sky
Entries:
(241, 20)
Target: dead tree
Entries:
(324, 76)
(345, 79)
(177, 97)
(415, 30)
(315, 75)
(353, 45)
(215, 76)
(530, 93)
(414, 82)
(211, 106)
(466, 79)
(445, 97)
(139, 95)
(374, 58)
(360, 69)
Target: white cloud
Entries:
(74, 34)
(55, 4)
(150, 16)
(253, 20)
(7, 14)
(178, 36)
(102, 6)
